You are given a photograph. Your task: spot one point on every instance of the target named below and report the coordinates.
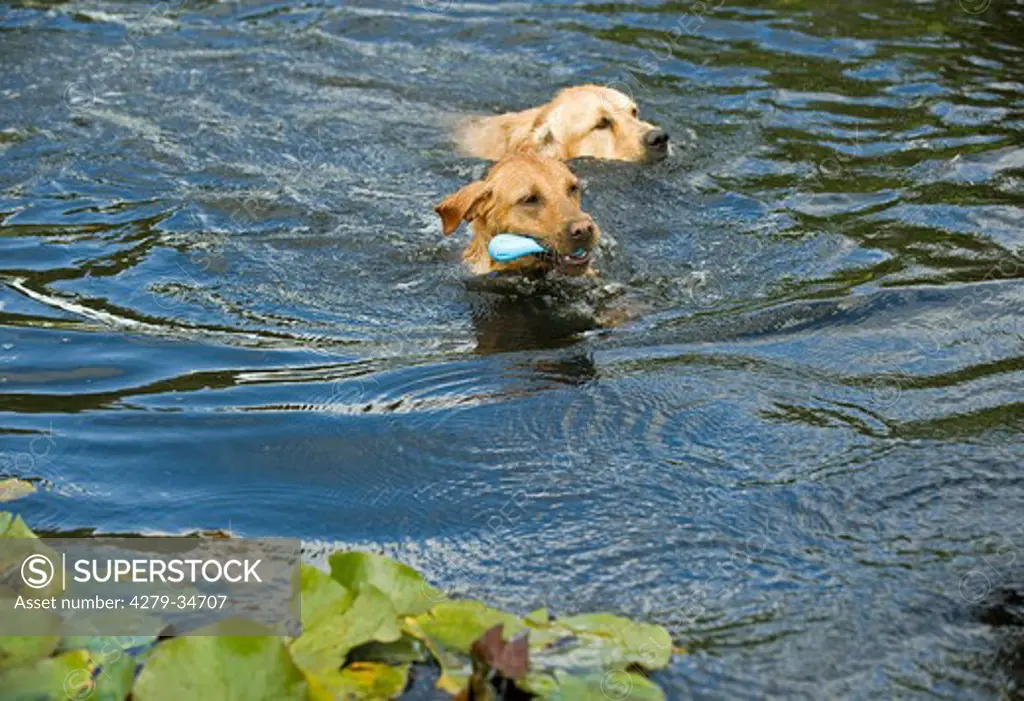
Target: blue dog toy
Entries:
(505, 248)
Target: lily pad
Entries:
(18, 650)
(456, 625)
(622, 641)
(410, 594)
(11, 489)
(72, 675)
(113, 679)
(323, 646)
(610, 686)
(226, 668)
(449, 631)
(14, 554)
(360, 680)
(539, 617)
(45, 678)
(320, 592)
(115, 657)
(588, 644)
(12, 526)
(364, 624)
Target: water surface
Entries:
(226, 304)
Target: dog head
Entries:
(529, 195)
(599, 122)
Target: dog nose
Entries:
(581, 230)
(656, 138)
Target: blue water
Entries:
(226, 304)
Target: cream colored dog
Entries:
(588, 120)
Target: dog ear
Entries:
(547, 145)
(546, 137)
(461, 205)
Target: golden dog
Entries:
(587, 120)
(529, 195)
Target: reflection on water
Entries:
(784, 422)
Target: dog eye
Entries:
(604, 124)
(574, 189)
(635, 112)
(530, 199)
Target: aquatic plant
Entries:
(368, 625)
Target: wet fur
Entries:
(566, 127)
(500, 204)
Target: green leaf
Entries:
(14, 554)
(588, 644)
(114, 678)
(370, 616)
(456, 668)
(73, 675)
(17, 650)
(539, 617)
(450, 629)
(226, 668)
(12, 526)
(410, 594)
(610, 686)
(456, 624)
(53, 679)
(361, 680)
(320, 592)
(621, 640)
(351, 617)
